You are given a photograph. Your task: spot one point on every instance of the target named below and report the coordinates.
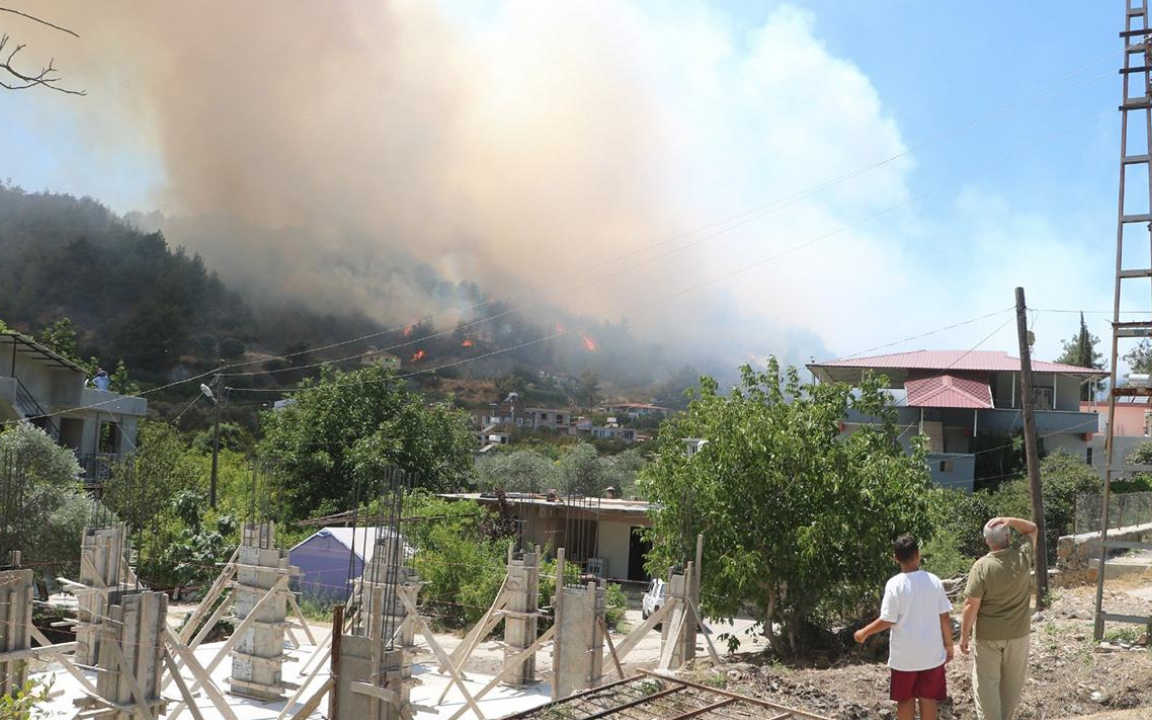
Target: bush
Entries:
(231, 348)
(615, 603)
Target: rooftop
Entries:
(27, 346)
(898, 365)
(591, 504)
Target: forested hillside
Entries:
(135, 297)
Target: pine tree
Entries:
(1081, 352)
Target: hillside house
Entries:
(603, 535)
(614, 432)
(380, 357)
(638, 410)
(49, 390)
(952, 396)
(550, 418)
(1133, 428)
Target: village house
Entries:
(550, 418)
(603, 535)
(51, 392)
(1133, 428)
(380, 357)
(953, 396)
(637, 410)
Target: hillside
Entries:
(135, 297)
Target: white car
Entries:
(653, 598)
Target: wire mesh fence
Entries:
(1124, 510)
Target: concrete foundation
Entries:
(102, 570)
(15, 627)
(259, 655)
(678, 631)
(132, 654)
(521, 614)
(578, 662)
(372, 683)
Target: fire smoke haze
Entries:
(513, 144)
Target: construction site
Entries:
(354, 635)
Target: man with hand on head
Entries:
(997, 604)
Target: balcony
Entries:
(103, 401)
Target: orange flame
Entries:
(418, 356)
(408, 331)
(590, 344)
(466, 343)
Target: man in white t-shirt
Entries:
(917, 610)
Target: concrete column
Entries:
(387, 574)
(521, 612)
(680, 586)
(259, 654)
(364, 662)
(579, 662)
(132, 650)
(15, 626)
(102, 567)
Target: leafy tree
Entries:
(799, 520)
(232, 437)
(119, 382)
(582, 472)
(589, 388)
(142, 486)
(1081, 351)
(61, 337)
(1139, 359)
(351, 426)
(518, 471)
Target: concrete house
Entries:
(36, 382)
(550, 418)
(951, 396)
(602, 534)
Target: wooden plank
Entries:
(36, 652)
(641, 632)
(509, 665)
(213, 594)
(673, 636)
(472, 639)
(174, 670)
(128, 677)
(375, 691)
(1129, 619)
(303, 620)
(300, 688)
(313, 702)
(71, 669)
(611, 648)
(441, 655)
(200, 676)
(705, 630)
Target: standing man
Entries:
(997, 604)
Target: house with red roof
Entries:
(954, 397)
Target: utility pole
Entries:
(1031, 451)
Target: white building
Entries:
(50, 391)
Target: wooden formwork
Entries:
(131, 659)
(15, 628)
(258, 655)
(103, 571)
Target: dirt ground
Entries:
(1068, 675)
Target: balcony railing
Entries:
(27, 406)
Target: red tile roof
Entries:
(959, 360)
(948, 391)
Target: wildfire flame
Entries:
(408, 331)
(418, 356)
(589, 344)
(466, 343)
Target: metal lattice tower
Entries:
(1137, 105)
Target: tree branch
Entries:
(46, 76)
(36, 19)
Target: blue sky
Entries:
(720, 124)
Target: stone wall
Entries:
(1076, 553)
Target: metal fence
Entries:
(1124, 510)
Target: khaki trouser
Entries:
(998, 674)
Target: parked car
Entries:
(653, 598)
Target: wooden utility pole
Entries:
(1031, 451)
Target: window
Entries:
(1088, 456)
(1042, 398)
(945, 466)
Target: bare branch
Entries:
(36, 19)
(47, 76)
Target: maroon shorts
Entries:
(927, 684)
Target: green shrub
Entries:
(615, 603)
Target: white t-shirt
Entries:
(914, 602)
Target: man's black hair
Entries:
(905, 548)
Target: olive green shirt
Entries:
(1002, 580)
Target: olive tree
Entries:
(799, 517)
